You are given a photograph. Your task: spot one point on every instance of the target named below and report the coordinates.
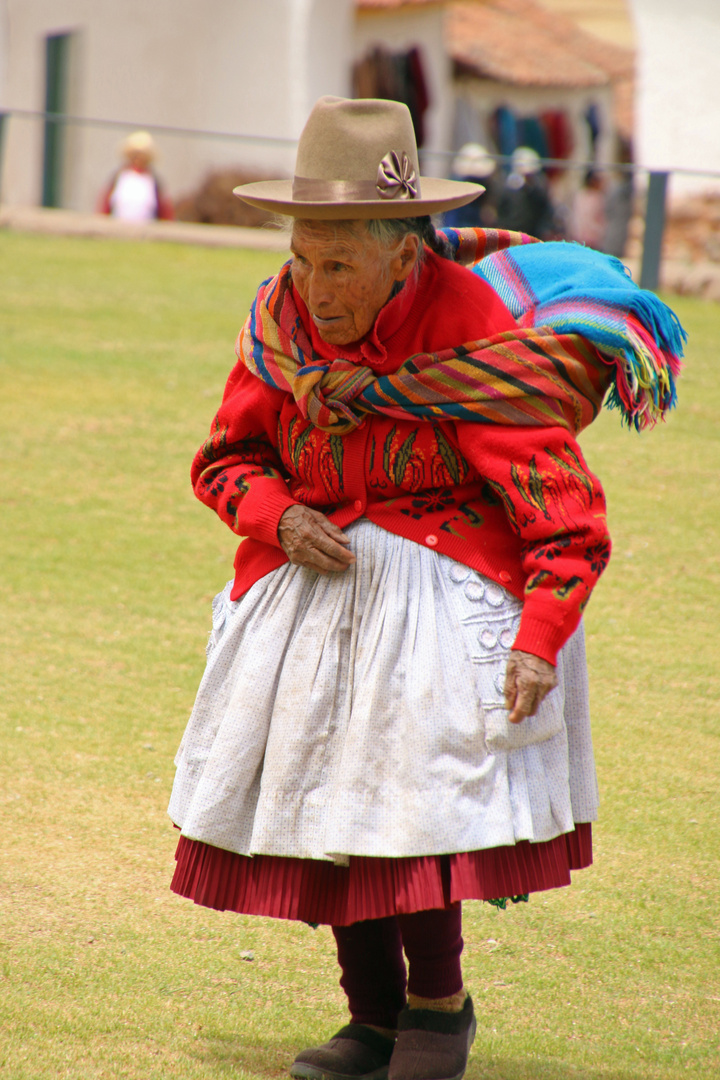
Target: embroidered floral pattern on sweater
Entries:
(553, 485)
(432, 501)
(449, 466)
(598, 556)
(308, 453)
(218, 454)
(398, 457)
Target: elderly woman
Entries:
(393, 717)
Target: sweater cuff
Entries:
(260, 512)
(544, 635)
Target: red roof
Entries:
(519, 42)
(523, 43)
(370, 5)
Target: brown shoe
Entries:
(355, 1053)
(433, 1045)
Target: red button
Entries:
(504, 576)
(431, 540)
(358, 504)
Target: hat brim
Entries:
(437, 195)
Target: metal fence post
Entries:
(654, 229)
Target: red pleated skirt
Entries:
(321, 892)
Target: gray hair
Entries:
(391, 232)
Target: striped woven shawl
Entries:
(574, 343)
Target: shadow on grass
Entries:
(533, 1068)
(228, 1054)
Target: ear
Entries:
(404, 262)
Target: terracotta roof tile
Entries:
(617, 60)
(518, 42)
(523, 43)
(370, 5)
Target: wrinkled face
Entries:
(345, 275)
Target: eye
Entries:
(339, 266)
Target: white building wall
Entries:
(402, 30)
(251, 67)
(3, 47)
(678, 95)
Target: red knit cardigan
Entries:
(516, 503)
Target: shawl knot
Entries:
(586, 333)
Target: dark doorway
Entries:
(57, 52)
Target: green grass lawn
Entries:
(112, 360)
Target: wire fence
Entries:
(56, 124)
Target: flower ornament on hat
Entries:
(358, 159)
(396, 177)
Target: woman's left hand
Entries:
(528, 679)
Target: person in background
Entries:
(134, 192)
(587, 216)
(525, 205)
(473, 164)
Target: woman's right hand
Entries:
(528, 681)
(310, 539)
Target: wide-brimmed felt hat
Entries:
(525, 161)
(472, 159)
(358, 159)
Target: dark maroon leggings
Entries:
(370, 954)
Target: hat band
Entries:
(307, 190)
(396, 179)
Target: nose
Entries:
(320, 293)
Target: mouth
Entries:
(323, 324)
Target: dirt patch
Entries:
(692, 232)
(214, 203)
(691, 246)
